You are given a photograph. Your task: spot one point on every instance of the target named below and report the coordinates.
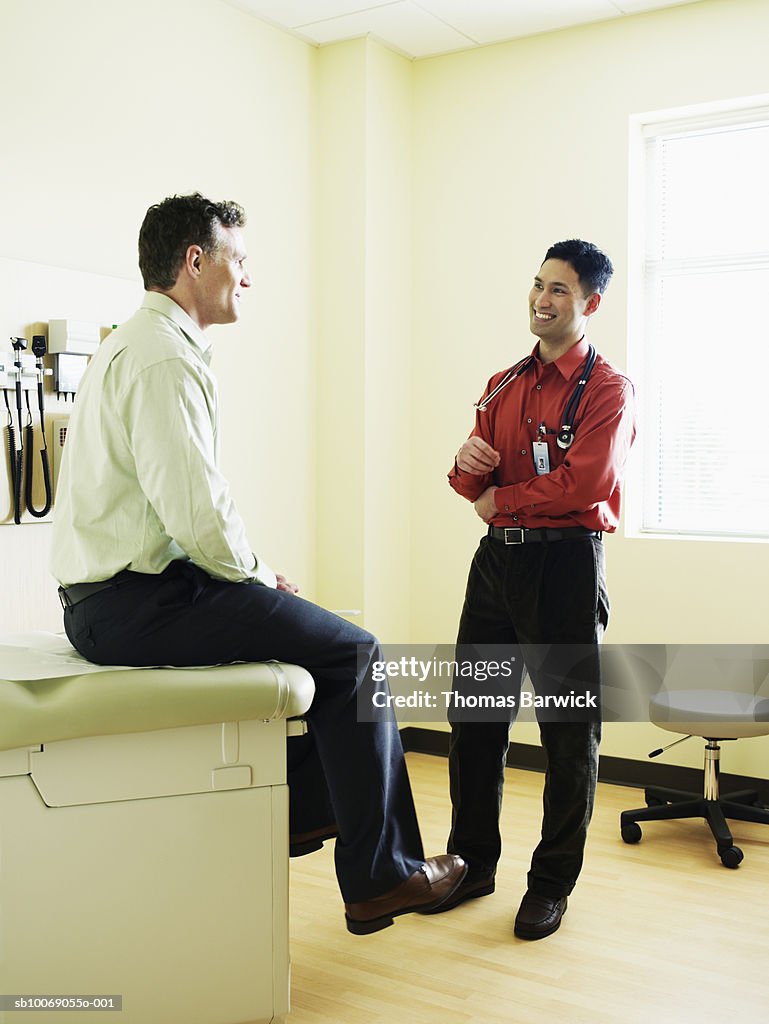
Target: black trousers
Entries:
(532, 598)
(346, 771)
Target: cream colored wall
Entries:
(363, 357)
(516, 146)
(108, 107)
(340, 356)
(387, 595)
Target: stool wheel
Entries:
(731, 856)
(631, 833)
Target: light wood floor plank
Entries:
(658, 932)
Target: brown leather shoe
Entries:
(539, 916)
(308, 842)
(429, 886)
(471, 888)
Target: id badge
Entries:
(541, 457)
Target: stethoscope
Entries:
(565, 436)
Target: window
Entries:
(700, 321)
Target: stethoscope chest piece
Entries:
(564, 437)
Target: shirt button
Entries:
(507, 508)
(529, 419)
(523, 451)
(515, 518)
(539, 387)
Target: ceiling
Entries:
(426, 28)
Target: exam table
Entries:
(144, 835)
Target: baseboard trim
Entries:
(620, 771)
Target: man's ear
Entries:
(192, 260)
(592, 304)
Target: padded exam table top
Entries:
(49, 692)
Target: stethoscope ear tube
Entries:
(565, 436)
(512, 374)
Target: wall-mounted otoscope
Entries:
(17, 454)
(22, 434)
(38, 348)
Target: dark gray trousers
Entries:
(547, 601)
(350, 772)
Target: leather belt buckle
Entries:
(513, 535)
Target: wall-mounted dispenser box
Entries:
(68, 370)
(74, 337)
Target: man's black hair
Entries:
(172, 226)
(593, 267)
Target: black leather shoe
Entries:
(472, 887)
(429, 886)
(539, 916)
(308, 842)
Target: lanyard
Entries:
(565, 435)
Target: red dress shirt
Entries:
(584, 485)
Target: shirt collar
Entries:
(571, 360)
(161, 303)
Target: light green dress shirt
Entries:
(140, 484)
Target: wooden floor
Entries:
(658, 932)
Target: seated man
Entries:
(155, 567)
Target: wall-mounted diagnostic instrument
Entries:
(21, 373)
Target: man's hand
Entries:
(478, 457)
(485, 506)
(283, 584)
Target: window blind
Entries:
(706, 326)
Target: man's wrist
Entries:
(503, 502)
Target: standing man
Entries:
(155, 567)
(543, 468)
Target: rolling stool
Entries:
(715, 716)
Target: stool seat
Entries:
(722, 714)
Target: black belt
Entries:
(70, 596)
(522, 535)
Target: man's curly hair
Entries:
(171, 227)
